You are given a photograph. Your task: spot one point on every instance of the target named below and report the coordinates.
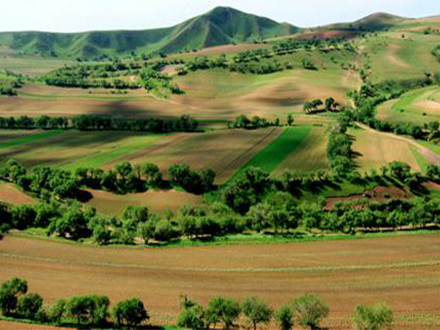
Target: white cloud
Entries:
(80, 15)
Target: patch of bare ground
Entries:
(400, 270)
(12, 195)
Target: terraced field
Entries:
(345, 273)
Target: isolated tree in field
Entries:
(377, 317)
(284, 318)
(10, 292)
(130, 312)
(225, 310)
(256, 311)
(310, 310)
(29, 305)
(290, 120)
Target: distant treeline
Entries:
(102, 123)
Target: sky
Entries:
(86, 15)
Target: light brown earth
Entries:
(12, 195)
(401, 270)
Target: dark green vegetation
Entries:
(307, 310)
(77, 311)
(220, 26)
(101, 123)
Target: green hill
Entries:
(221, 26)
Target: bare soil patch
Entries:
(400, 270)
(12, 195)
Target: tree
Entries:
(290, 120)
(376, 317)
(192, 315)
(257, 311)
(10, 291)
(57, 311)
(152, 174)
(310, 310)
(330, 104)
(225, 310)
(131, 312)
(29, 305)
(284, 318)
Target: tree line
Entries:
(102, 123)
(88, 310)
(307, 310)
(122, 179)
(252, 202)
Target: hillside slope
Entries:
(220, 26)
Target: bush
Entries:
(256, 311)
(284, 318)
(29, 305)
(376, 317)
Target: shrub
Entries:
(310, 310)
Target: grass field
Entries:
(73, 149)
(418, 106)
(277, 151)
(224, 151)
(345, 273)
(309, 156)
(31, 66)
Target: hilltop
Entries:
(220, 26)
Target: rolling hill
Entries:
(220, 26)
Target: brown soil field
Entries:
(402, 270)
(224, 151)
(378, 194)
(12, 195)
(156, 201)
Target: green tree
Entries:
(130, 312)
(310, 310)
(225, 310)
(290, 119)
(377, 317)
(57, 311)
(10, 291)
(29, 305)
(284, 318)
(256, 311)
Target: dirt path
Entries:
(428, 154)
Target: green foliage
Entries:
(256, 311)
(284, 318)
(377, 317)
(10, 292)
(29, 305)
(91, 310)
(225, 310)
(130, 312)
(310, 310)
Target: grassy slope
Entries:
(218, 27)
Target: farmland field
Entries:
(345, 273)
(419, 106)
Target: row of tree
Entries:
(308, 311)
(255, 122)
(89, 310)
(253, 202)
(102, 123)
(123, 178)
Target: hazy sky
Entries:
(82, 15)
